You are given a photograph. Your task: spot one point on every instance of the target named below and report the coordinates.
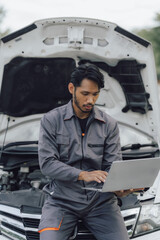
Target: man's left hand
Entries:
(124, 193)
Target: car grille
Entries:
(24, 226)
(31, 222)
(32, 235)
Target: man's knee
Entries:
(50, 235)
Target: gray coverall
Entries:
(63, 153)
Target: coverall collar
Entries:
(94, 114)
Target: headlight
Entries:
(130, 218)
(149, 219)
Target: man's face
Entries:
(84, 97)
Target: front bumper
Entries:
(22, 223)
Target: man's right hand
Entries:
(98, 176)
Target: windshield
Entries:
(29, 131)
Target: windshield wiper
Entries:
(23, 143)
(138, 146)
(100, 104)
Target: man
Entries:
(77, 146)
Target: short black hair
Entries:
(89, 71)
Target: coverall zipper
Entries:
(82, 139)
(82, 136)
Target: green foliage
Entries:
(153, 36)
(157, 18)
(2, 15)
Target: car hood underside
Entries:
(37, 61)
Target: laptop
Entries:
(130, 174)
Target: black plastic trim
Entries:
(18, 33)
(13, 228)
(132, 36)
(31, 210)
(31, 222)
(9, 215)
(128, 74)
(35, 85)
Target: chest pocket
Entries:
(63, 146)
(96, 148)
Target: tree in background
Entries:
(153, 36)
(2, 15)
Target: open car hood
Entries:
(37, 61)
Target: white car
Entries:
(35, 67)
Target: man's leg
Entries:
(64, 233)
(105, 221)
(56, 222)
